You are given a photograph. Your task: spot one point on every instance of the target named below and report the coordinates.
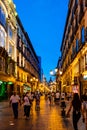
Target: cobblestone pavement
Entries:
(48, 118)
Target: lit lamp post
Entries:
(57, 72)
(59, 78)
(34, 82)
(54, 73)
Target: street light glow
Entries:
(56, 69)
(60, 72)
(51, 72)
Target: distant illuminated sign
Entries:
(9, 83)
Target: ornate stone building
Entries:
(19, 64)
(74, 48)
(8, 32)
(27, 61)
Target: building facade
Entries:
(8, 32)
(19, 64)
(27, 61)
(74, 48)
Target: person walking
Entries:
(76, 105)
(27, 106)
(37, 99)
(62, 96)
(84, 108)
(57, 96)
(14, 100)
(50, 98)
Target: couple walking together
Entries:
(15, 100)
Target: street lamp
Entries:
(54, 73)
(59, 76)
(34, 82)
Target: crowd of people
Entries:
(56, 96)
(77, 105)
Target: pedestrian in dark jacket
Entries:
(76, 105)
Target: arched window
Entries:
(82, 35)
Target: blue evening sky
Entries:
(44, 20)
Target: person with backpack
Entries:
(76, 114)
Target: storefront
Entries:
(3, 90)
(6, 89)
(26, 88)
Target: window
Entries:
(10, 32)
(77, 45)
(86, 59)
(11, 50)
(2, 38)
(73, 49)
(82, 35)
(2, 17)
(18, 75)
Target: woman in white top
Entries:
(14, 100)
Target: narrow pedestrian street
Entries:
(48, 118)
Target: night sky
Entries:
(44, 21)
